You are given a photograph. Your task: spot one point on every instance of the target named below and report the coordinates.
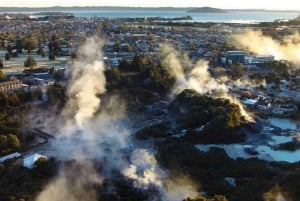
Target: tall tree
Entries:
(7, 56)
(29, 46)
(3, 141)
(13, 141)
(19, 45)
(51, 55)
(30, 62)
(2, 76)
(1, 63)
(236, 71)
(117, 47)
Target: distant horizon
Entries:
(144, 7)
(228, 4)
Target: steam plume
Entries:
(87, 81)
(197, 78)
(90, 133)
(145, 171)
(246, 82)
(180, 186)
(73, 184)
(275, 194)
(288, 49)
(77, 134)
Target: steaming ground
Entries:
(198, 78)
(288, 49)
(90, 134)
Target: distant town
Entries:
(189, 131)
(35, 47)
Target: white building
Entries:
(256, 59)
(30, 160)
(10, 156)
(10, 86)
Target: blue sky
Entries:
(242, 4)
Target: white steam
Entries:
(87, 81)
(77, 137)
(90, 133)
(73, 184)
(143, 169)
(198, 78)
(275, 194)
(246, 82)
(145, 172)
(255, 41)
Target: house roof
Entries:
(32, 158)
(249, 101)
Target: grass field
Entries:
(16, 64)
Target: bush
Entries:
(154, 131)
(220, 120)
(30, 62)
(7, 56)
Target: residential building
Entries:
(29, 161)
(10, 156)
(263, 105)
(10, 86)
(235, 57)
(258, 59)
(284, 109)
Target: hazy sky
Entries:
(266, 4)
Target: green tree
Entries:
(30, 62)
(127, 48)
(3, 142)
(19, 45)
(54, 45)
(1, 63)
(13, 99)
(236, 71)
(7, 56)
(2, 76)
(139, 63)
(73, 55)
(117, 47)
(125, 65)
(161, 79)
(51, 55)
(202, 198)
(13, 141)
(40, 51)
(9, 49)
(3, 99)
(29, 46)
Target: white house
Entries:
(30, 160)
(10, 156)
(263, 105)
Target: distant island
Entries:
(118, 8)
(207, 10)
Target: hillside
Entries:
(206, 10)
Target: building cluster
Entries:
(125, 38)
(263, 100)
(242, 57)
(27, 81)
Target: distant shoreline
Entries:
(109, 8)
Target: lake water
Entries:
(231, 17)
(240, 17)
(265, 151)
(285, 123)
